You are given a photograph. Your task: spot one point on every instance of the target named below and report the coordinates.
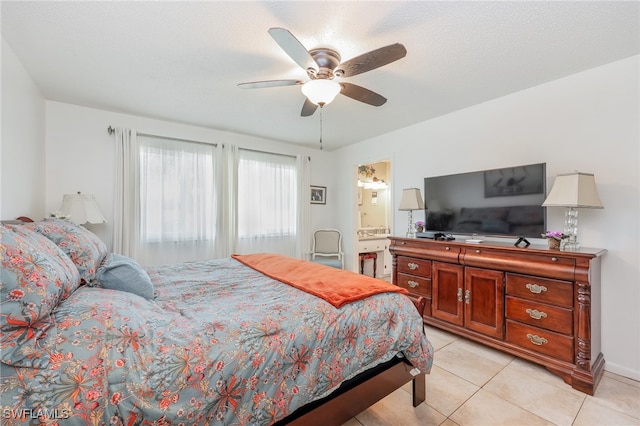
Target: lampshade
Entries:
(82, 208)
(411, 200)
(321, 91)
(574, 190)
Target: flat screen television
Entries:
(504, 202)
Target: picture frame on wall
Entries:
(318, 194)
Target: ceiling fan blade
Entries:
(293, 48)
(269, 83)
(372, 60)
(308, 108)
(361, 94)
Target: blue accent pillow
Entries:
(124, 274)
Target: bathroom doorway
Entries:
(374, 218)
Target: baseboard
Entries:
(622, 371)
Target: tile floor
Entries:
(471, 384)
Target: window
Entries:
(178, 199)
(267, 202)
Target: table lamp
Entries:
(411, 200)
(573, 190)
(82, 208)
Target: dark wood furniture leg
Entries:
(375, 264)
(365, 256)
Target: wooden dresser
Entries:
(538, 304)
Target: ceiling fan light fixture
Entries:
(321, 91)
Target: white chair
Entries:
(327, 248)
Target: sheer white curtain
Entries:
(227, 227)
(267, 207)
(126, 203)
(178, 201)
(166, 199)
(303, 246)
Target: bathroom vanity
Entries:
(375, 240)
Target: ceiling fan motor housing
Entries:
(327, 60)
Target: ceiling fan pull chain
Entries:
(321, 127)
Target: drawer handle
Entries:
(537, 340)
(467, 296)
(447, 248)
(413, 266)
(459, 294)
(536, 314)
(413, 284)
(554, 259)
(478, 251)
(535, 288)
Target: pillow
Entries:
(125, 274)
(36, 276)
(83, 247)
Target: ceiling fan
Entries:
(323, 65)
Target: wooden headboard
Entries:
(17, 221)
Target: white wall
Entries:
(587, 122)
(22, 153)
(80, 156)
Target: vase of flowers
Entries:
(554, 238)
(419, 226)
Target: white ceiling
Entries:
(182, 61)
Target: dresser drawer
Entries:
(416, 285)
(413, 266)
(554, 292)
(426, 249)
(549, 265)
(540, 315)
(540, 340)
(372, 245)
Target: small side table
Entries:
(365, 256)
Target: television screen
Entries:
(498, 202)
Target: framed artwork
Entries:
(318, 194)
(514, 181)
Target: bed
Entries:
(90, 337)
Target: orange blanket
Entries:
(336, 286)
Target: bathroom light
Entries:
(321, 91)
(372, 185)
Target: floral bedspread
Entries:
(220, 344)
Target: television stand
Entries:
(539, 304)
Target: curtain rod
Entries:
(267, 152)
(111, 130)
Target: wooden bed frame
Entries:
(361, 392)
